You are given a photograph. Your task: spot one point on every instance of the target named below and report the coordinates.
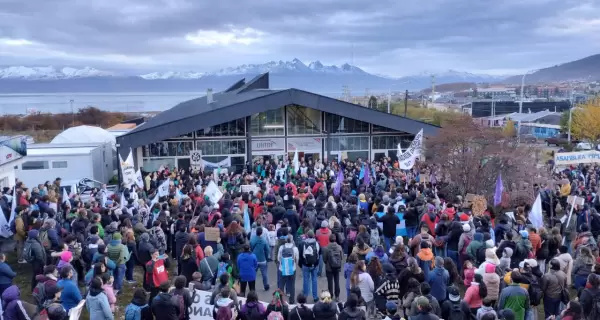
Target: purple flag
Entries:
(499, 190)
(338, 183)
(367, 177)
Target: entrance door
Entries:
(184, 163)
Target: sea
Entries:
(134, 102)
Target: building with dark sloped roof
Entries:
(249, 121)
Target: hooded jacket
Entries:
(475, 245)
(439, 279)
(302, 312)
(352, 313)
(71, 295)
(13, 306)
(325, 311)
(98, 306)
(247, 265)
(164, 307)
(492, 283)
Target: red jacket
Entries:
(156, 272)
(322, 236)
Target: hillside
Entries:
(457, 86)
(583, 69)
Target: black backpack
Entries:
(535, 292)
(480, 255)
(595, 313)
(253, 313)
(456, 312)
(544, 251)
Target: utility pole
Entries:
(389, 101)
(405, 102)
(570, 114)
(432, 89)
(72, 112)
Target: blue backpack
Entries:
(134, 312)
(222, 269)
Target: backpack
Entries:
(535, 292)
(222, 269)
(456, 312)
(335, 259)
(134, 312)
(310, 254)
(275, 315)
(522, 252)
(595, 313)
(467, 242)
(28, 252)
(39, 294)
(286, 255)
(253, 313)
(45, 240)
(480, 254)
(374, 239)
(178, 299)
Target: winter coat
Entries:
(13, 306)
(98, 306)
(586, 298)
(516, 298)
(164, 308)
(6, 274)
(260, 248)
(472, 296)
(332, 247)
(325, 311)
(439, 279)
(145, 308)
(552, 283)
(349, 313)
(247, 265)
(302, 312)
(492, 283)
(70, 296)
(181, 238)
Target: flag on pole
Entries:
(155, 200)
(499, 190)
(65, 195)
(178, 196)
(338, 183)
(361, 174)
(367, 178)
(247, 225)
(295, 162)
(122, 201)
(535, 216)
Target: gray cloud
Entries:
(385, 36)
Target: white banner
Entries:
(408, 158)
(138, 179)
(163, 189)
(249, 188)
(213, 193)
(128, 170)
(221, 164)
(196, 159)
(568, 158)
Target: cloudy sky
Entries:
(392, 37)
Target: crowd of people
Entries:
(392, 245)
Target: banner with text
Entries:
(128, 170)
(568, 158)
(408, 158)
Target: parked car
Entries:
(586, 146)
(84, 187)
(560, 139)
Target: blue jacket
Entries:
(6, 273)
(438, 280)
(98, 307)
(247, 265)
(260, 248)
(71, 295)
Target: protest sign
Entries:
(408, 158)
(212, 234)
(575, 200)
(213, 193)
(128, 170)
(568, 158)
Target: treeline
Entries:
(59, 121)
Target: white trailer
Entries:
(46, 162)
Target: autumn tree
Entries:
(509, 129)
(585, 121)
(471, 156)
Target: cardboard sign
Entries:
(579, 201)
(469, 199)
(212, 234)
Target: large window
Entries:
(349, 143)
(380, 129)
(168, 149)
(151, 165)
(303, 121)
(234, 128)
(35, 165)
(391, 142)
(59, 164)
(222, 147)
(341, 125)
(268, 123)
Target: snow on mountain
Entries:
(50, 73)
(173, 75)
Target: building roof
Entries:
(245, 99)
(84, 134)
(122, 126)
(531, 117)
(50, 151)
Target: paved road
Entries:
(321, 285)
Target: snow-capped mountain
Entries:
(294, 66)
(173, 75)
(50, 73)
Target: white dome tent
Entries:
(85, 134)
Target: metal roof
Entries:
(252, 98)
(59, 151)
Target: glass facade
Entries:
(168, 149)
(391, 142)
(268, 123)
(154, 164)
(348, 143)
(221, 147)
(380, 129)
(335, 124)
(236, 128)
(303, 121)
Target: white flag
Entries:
(295, 162)
(13, 206)
(163, 189)
(155, 200)
(128, 170)
(139, 180)
(213, 193)
(535, 216)
(122, 201)
(408, 158)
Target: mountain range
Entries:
(314, 76)
(585, 69)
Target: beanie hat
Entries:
(324, 224)
(33, 234)
(464, 217)
(490, 268)
(524, 234)
(66, 256)
(466, 227)
(117, 236)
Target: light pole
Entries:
(521, 103)
(570, 115)
(72, 111)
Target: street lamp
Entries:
(570, 114)
(521, 102)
